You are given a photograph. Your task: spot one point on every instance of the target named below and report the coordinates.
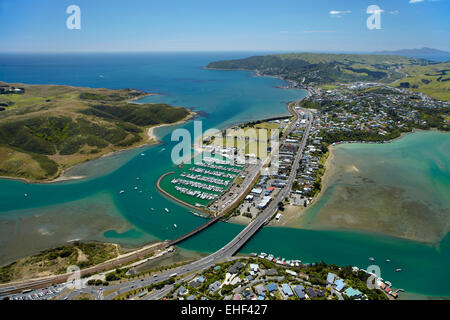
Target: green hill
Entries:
(315, 69)
(433, 80)
(49, 128)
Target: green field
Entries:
(242, 134)
(433, 80)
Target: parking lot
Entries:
(40, 294)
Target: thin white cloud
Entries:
(307, 31)
(336, 12)
(419, 1)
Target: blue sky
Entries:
(222, 25)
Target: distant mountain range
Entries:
(416, 52)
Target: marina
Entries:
(201, 183)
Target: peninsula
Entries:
(45, 129)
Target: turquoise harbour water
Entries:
(56, 213)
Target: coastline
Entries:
(151, 131)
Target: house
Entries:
(312, 293)
(195, 284)
(353, 293)
(237, 297)
(272, 287)
(257, 191)
(271, 272)
(300, 291)
(191, 297)
(287, 291)
(264, 202)
(182, 291)
(340, 284)
(331, 277)
(236, 268)
(292, 273)
(247, 294)
(213, 287)
(260, 289)
(254, 268)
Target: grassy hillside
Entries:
(319, 69)
(56, 261)
(433, 80)
(49, 128)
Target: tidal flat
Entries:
(400, 188)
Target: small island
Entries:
(45, 129)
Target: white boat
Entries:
(26, 194)
(167, 210)
(387, 260)
(142, 154)
(372, 259)
(135, 188)
(175, 226)
(398, 270)
(122, 192)
(153, 209)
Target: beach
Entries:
(152, 138)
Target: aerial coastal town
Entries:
(221, 189)
(264, 277)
